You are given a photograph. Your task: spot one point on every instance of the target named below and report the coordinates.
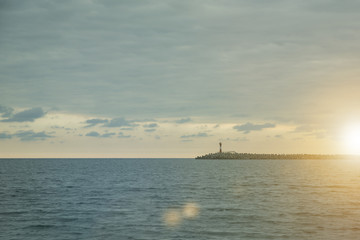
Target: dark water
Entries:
(149, 199)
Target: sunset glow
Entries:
(352, 139)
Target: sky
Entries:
(91, 78)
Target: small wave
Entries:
(69, 219)
(12, 213)
(215, 233)
(40, 226)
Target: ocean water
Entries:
(179, 199)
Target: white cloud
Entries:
(28, 135)
(96, 134)
(248, 127)
(198, 135)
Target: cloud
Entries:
(26, 116)
(120, 122)
(244, 139)
(127, 129)
(93, 134)
(150, 130)
(5, 111)
(95, 121)
(96, 134)
(239, 115)
(121, 135)
(61, 127)
(199, 135)
(144, 120)
(157, 46)
(248, 127)
(319, 134)
(303, 128)
(5, 136)
(32, 136)
(26, 136)
(107, 135)
(151, 125)
(183, 120)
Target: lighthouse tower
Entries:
(220, 147)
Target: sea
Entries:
(179, 199)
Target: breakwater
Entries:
(235, 155)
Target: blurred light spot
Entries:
(190, 210)
(172, 217)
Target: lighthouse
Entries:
(220, 147)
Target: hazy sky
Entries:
(173, 78)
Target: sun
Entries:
(352, 139)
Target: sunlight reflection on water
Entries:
(190, 210)
(174, 217)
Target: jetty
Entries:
(259, 156)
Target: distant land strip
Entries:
(259, 156)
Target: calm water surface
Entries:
(148, 199)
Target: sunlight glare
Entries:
(352, 139)
(172, 217)
(190, 210)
